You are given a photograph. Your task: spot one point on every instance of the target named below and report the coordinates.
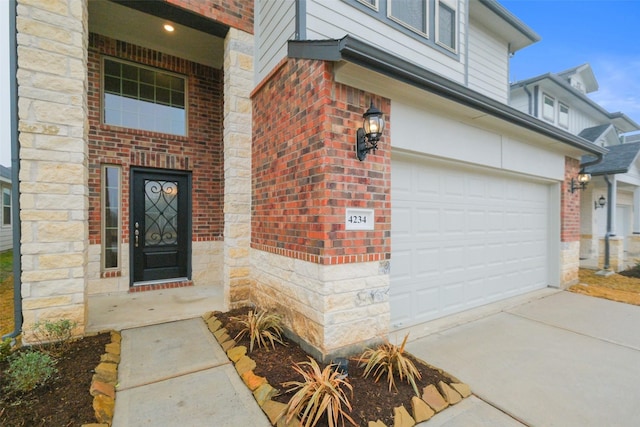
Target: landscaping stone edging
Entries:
(104, 383)
(433, 400)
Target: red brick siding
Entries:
(234, 13)
(570, 203)
(200, 152)
(305, 172)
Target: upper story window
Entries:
(548, 108)
(446, 24)
(563, 115)
(371, 3)
(144, 98)
(411, 13)
(434, 22)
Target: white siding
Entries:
(6, 238)
(333, 19)
(449, 138)
(520, 101)
(488, 64)
(274, 26)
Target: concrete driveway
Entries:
(562, 360)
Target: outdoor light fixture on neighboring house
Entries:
(581, 184)
(367, 136)
(600, 203)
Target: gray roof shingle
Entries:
(618, 160)
(593, 133)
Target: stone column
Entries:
(52, 107)
(238, 83)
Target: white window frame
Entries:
(6, 219)
(103, 207)
(550, 117)
(564, 124)
(405, 24)
(453, 5)
(375, 6)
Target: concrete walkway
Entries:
(176, 374)
(563, 360)
(559, 360)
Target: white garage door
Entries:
(462, 237)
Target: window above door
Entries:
(145, 98)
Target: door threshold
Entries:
(152, 285)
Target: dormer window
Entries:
(548, 108)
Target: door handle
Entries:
(136, 233)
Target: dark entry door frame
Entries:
(159, 225)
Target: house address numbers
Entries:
(359, 219)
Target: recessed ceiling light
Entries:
(169, 28)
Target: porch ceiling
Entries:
(195, 38)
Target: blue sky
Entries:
(603, 33)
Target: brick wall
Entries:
(305, 172)
(570, 203)
(234, 13)
(199, 152)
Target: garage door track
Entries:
(563, 360)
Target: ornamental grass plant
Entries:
(262, 327)
(321, 392)
(391, 360)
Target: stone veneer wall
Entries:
(238, 82)
(331, 284)
(52, 110)
(333, 309)
(206, 268)
(569, 225)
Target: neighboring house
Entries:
(222, 155)
(6, 230)
(561, 99)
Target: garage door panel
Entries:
(427, 260)
(427, 302)
(402, 262)
(473, 236)
(427, 221)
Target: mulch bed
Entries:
(371, 401)
(65, 400)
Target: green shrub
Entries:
(320, 392)
(30, 369)
(261, 327)
(57, 334)
(390, 359)
(5, 349)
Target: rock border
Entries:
(105, 381)
(434, 398)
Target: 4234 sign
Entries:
(359, 219)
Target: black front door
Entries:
(160, 225)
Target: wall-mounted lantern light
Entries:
(601, 203)
(367, 137)
(581, 183)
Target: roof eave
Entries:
(361, 53)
